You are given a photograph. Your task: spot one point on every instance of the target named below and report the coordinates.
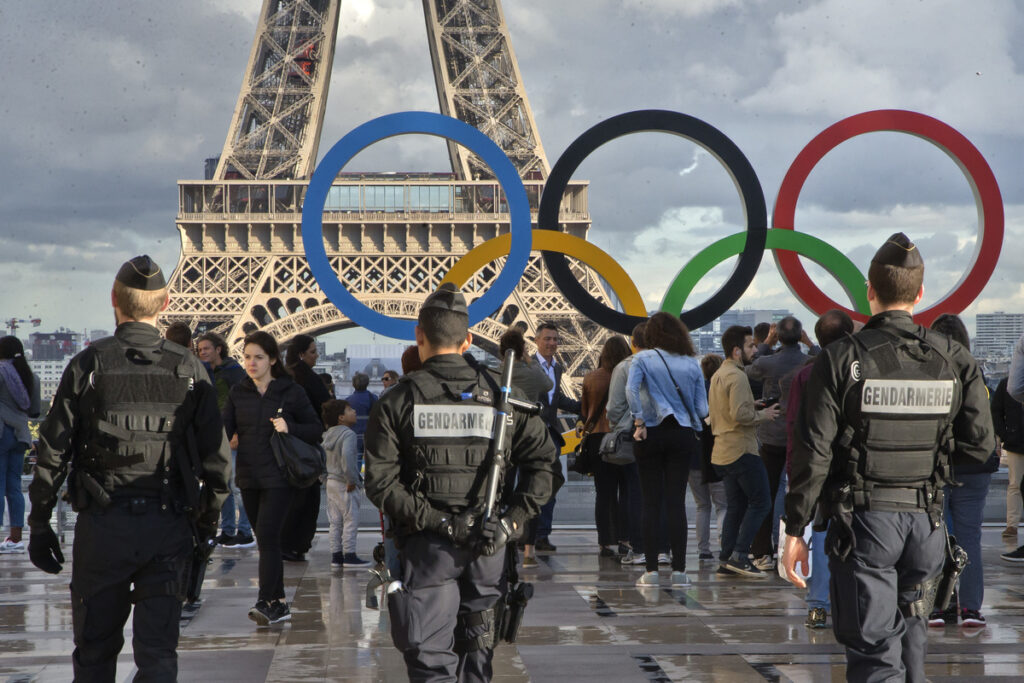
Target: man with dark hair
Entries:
(137, 483)
(733, 419)
(363, 401)
(225, 372)
(831, 326)
(774, 373)
(874, 446)
(179, 333)
(426, 460)
(551, 402)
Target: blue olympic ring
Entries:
(404, 123)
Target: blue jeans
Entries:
(748, 496)
(965, 508)
(233, 502)
(817, 582)
(12, 460)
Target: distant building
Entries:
(54, 345)
(49, 373)
(997, 333)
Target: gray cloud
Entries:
(126, 98)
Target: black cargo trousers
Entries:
(873, 588)
(128, 554)
(442, 619)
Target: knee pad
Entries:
(480, 623)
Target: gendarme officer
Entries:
(426, 467)
(136, 419)
(893, 404)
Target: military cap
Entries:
(898, 251)
(142, 273)
(448, 297)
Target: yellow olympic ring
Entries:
(562, 243)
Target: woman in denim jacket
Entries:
(668, 439)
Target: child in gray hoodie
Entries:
(343, 482)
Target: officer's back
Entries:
(134, 427)
(427, 445)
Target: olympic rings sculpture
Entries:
(783, 239)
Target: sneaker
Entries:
(939, 618)
(1010, 532)
(680, 579)
(723, 570)
(260, 613)
(529, 561)
(243, 540)
(351, 560)
(226, 540)
(544, 545)
(664, 559)
(624, 549)
(765, 563)
(817, 617)
(744, 568)
(634, 558)
(971, 618)
(1014, 556)
(337, 560)
(10, 547)
(706, 557)
(648, 579)
(292, 556)
(279, 612)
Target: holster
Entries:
(840, 540)
(85, 491)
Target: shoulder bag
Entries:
(301, 462)
(617, 448)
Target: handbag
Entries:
(617, 448)
(582, 458)
(302, 463)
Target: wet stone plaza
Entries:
(587, 622)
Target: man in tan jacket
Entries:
(734, 417)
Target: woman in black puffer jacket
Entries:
(251, 411)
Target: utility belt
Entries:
(837, 507)
(140, 505)
(891, 499)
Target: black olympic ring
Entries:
(719, 146)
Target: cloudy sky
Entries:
(108, 104)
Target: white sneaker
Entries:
(765, 563)
(663, 558)
(634, 558)
(680, 579)
(648, 579)
(10, 547)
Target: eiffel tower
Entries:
(391, 237)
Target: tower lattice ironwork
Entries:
(390, 237)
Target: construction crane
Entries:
(14, 323)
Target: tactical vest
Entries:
(900, 400)
(452, 429)
(129, 424)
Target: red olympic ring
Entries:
(967, 157)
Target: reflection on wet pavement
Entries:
(587, 621)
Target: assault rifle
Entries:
(511, 605)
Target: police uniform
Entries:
(426, 464)
(890, 405)
(128, 409)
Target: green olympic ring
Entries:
(819, 251)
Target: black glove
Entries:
(461, 528)
(496, 532)
(44, 551)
